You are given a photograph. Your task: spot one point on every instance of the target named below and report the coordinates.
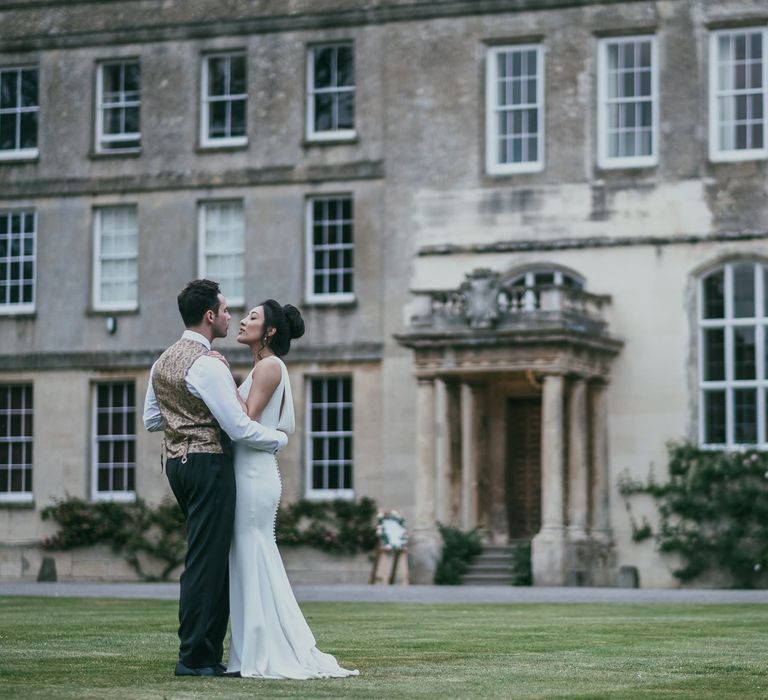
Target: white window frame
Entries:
(23, 153)
(760, 323)
(716, 154)
(492, 165)
(115, 496)
(605, 161)
(333, 134)
(101, 137)
(98, 303)
(22, 307)
(205, 140)
(202, 250)
(5, 440)
(311, 493)
(331, 297)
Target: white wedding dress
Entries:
(270, 637)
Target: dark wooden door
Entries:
(523, 476)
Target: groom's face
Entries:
(221, 320)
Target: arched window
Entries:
(732, 309)
(544, 276)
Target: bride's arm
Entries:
(266, 377)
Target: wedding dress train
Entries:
(270, 637)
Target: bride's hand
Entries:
(218, 356)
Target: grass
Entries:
(119, 649)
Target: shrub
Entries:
(459, 548)
(160, 531)
(713, 512)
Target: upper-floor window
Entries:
(114, 441)
(222, 248)
(224, 100)
(330, 249)
(329, 437)
(515, 109)
(733, 342)
(16, 413)
(118, 104)
(738, 87)
(17, 261)
(116, 251)
(331, 91)
(19, 106)
(627, 102)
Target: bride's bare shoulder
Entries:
(266, 372)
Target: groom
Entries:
(192, 397)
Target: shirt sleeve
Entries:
(210, 380)
(153, 419)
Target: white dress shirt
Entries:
(209, 379)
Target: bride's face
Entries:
(251, 330)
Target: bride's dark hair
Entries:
(287, 322)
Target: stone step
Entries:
(487, 580)
(483, 570)
(492, 559)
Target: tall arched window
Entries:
(732, 363)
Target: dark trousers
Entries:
(205, 489)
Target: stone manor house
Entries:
(529, 240)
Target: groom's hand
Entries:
(218, 356)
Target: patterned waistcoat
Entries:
(189, 425)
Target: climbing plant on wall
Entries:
(713, 512)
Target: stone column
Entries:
(425, 543)
(601, 518)
(548, 546)
(578, 476)
(442, 454)
(470, 455)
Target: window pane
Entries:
(9, 84)
(29, 88)
(745, 415)
(323, 66)
(714, 354)
(714, 295)
(714, 417)
(345, 66)
(743, 291)
(744, 352)
(217, 76)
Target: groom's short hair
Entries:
(196, 298)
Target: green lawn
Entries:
(118, 649)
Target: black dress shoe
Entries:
(182, 670)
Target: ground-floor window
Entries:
(329, 437)
(114, 441)
(733, 366)
(16, 410)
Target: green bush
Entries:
(522, 573)
(160, 531)
(713, 512)
(459, 548)
(128, 528)
(334, 526)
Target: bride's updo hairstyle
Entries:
(287, 322)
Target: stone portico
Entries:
(511, 420)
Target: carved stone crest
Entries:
(479, 293)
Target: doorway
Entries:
(523, 472)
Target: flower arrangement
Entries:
(391, 530)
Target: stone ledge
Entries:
(172, 181)
(143, 359)
(170, 26)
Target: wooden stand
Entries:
(386, 564)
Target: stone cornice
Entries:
(246, 177)
(522, 246)
(250, 19)
(143, 359)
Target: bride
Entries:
(270, 637)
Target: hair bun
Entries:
(295, 321)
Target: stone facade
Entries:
(446, 339)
